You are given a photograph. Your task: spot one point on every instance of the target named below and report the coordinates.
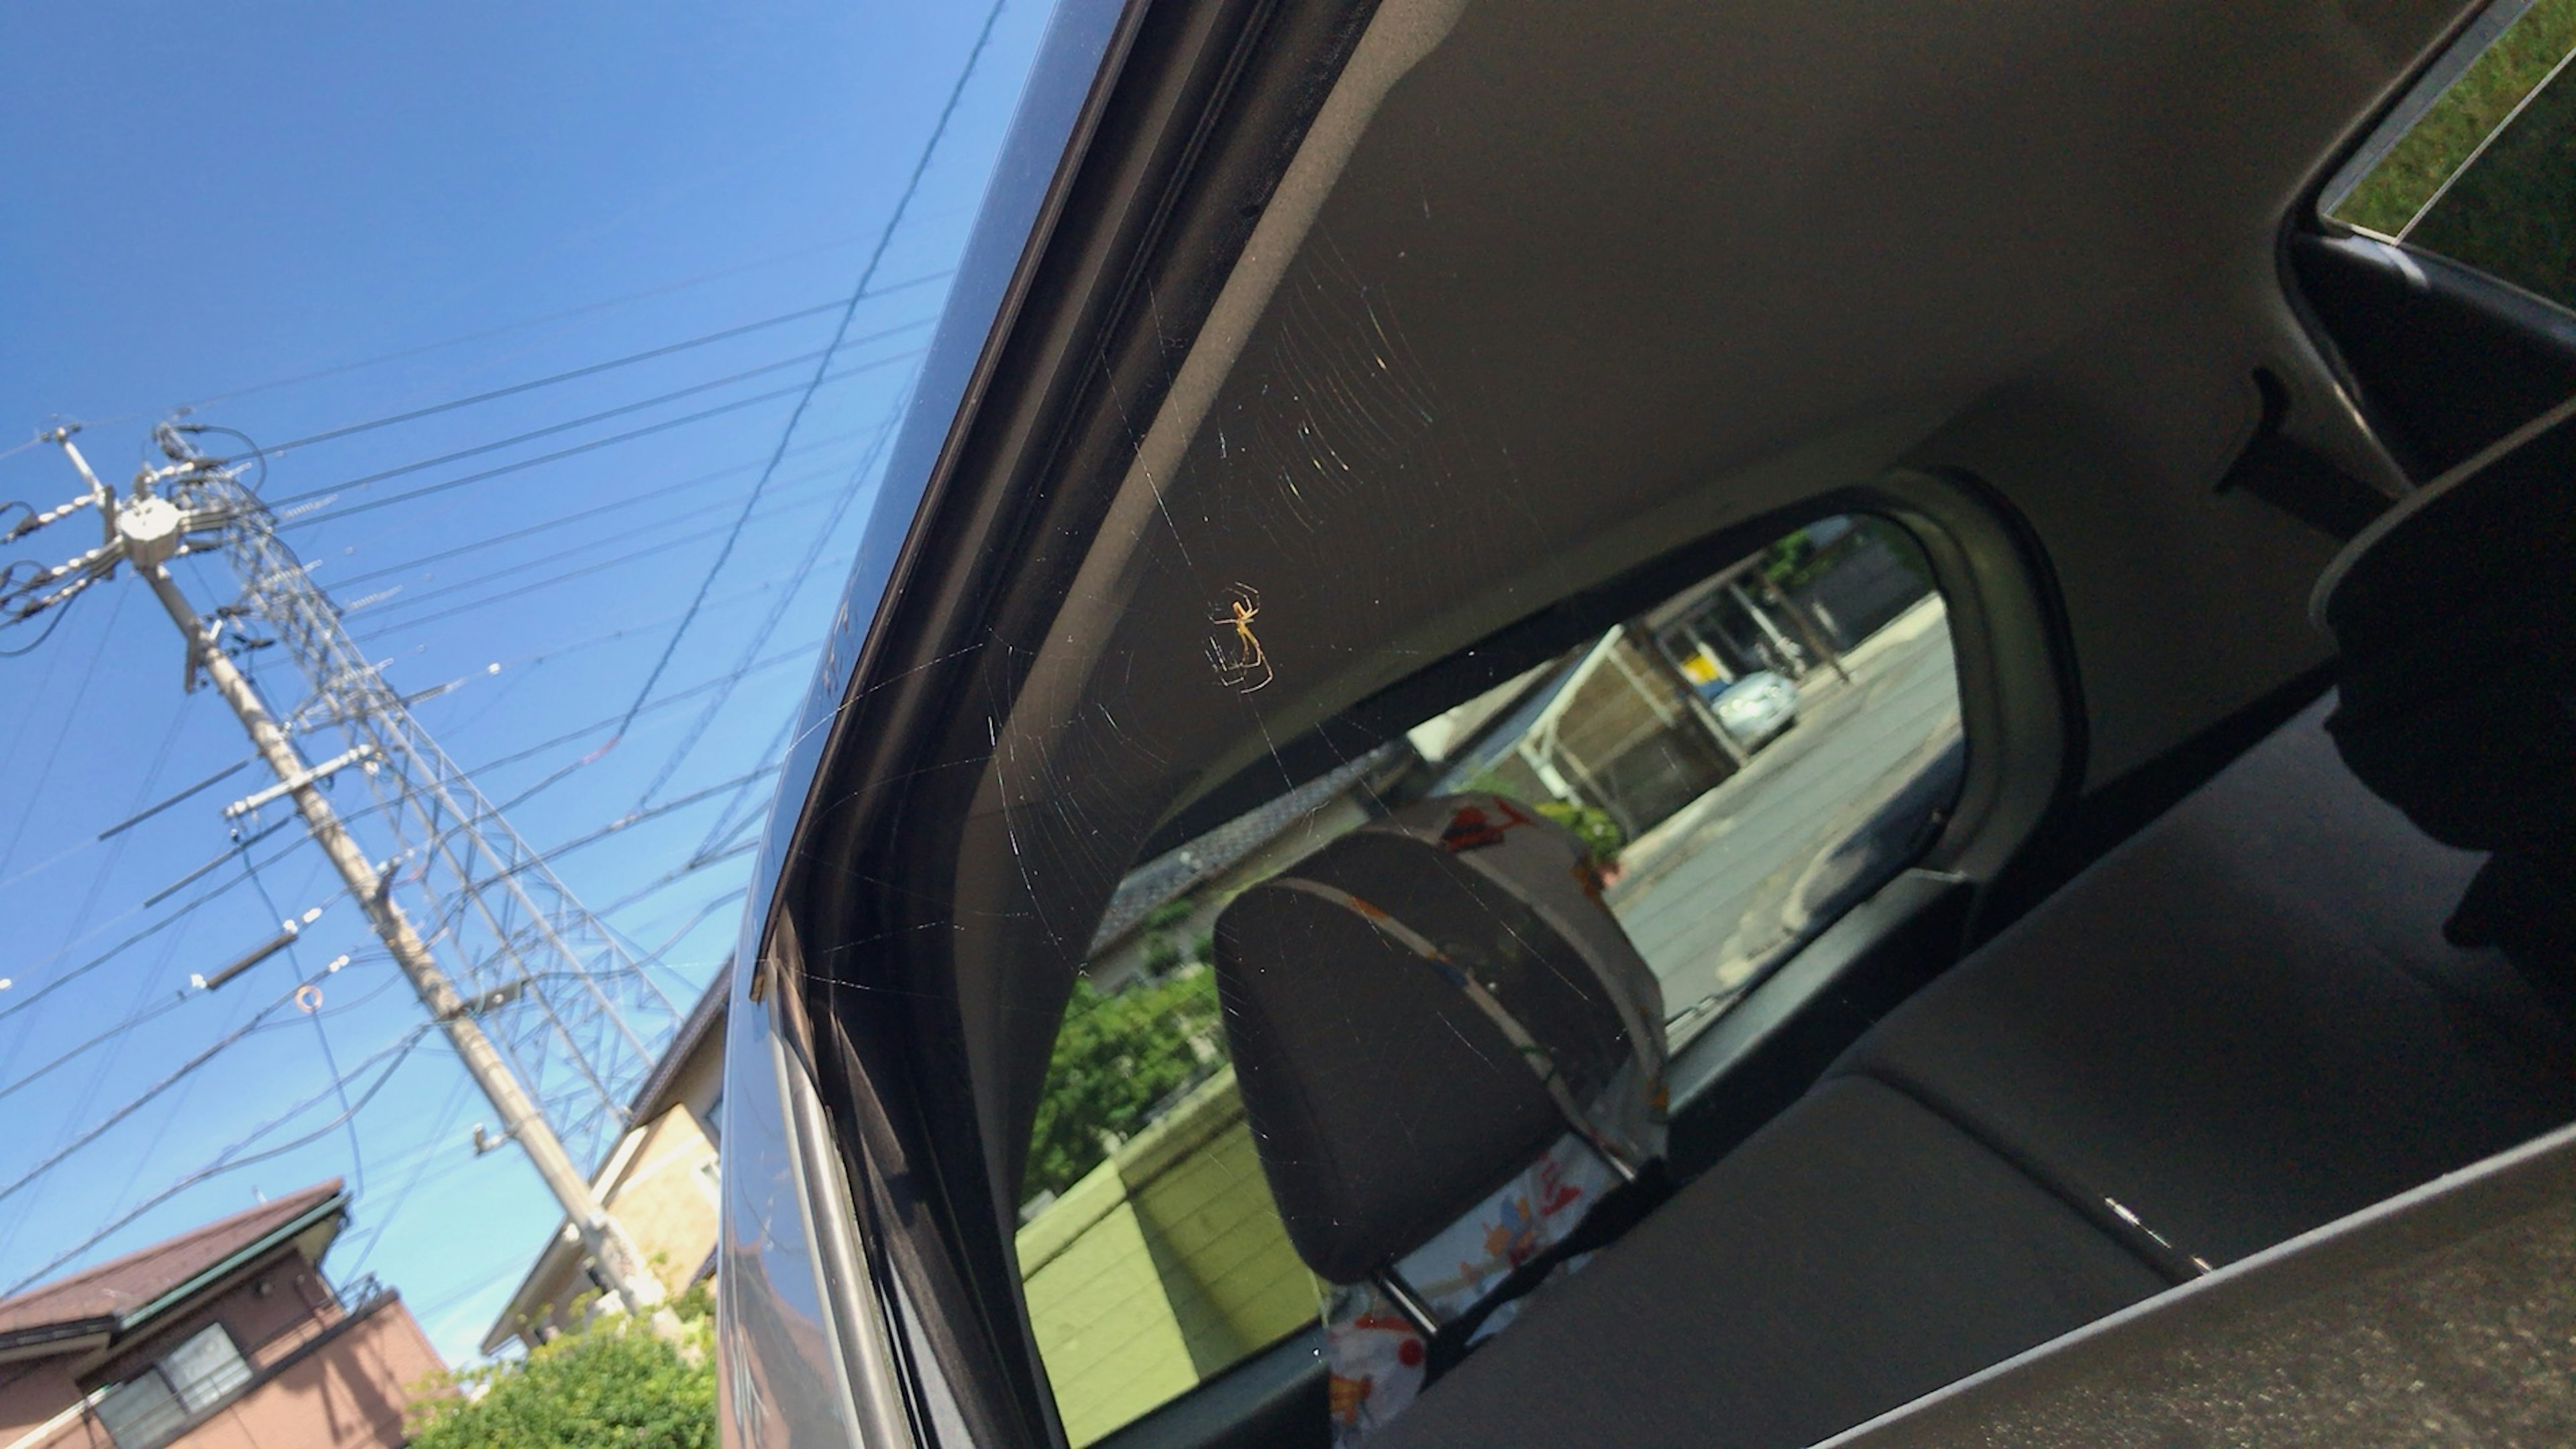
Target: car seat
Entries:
(1452, 1062)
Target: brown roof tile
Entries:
(119, 1286)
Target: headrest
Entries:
(1373, 995)
(2455, 614)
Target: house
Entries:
(224, 1337)
(660, 1181)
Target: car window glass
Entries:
(1742, 761)
(2479, 163)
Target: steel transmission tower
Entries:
(555, 1021)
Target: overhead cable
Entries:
(561, 520)
(342, 369)
(229, 1158)
(396, 598)
(173, 1078)
(758, 639)
(867, 274)
(321, 515)
(568, 424)
(703, 339)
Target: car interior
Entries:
(1418, 420)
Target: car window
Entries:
(1742, 760)
(2478, 164)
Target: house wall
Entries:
(347, 1389)
(269, 1311)
(323, 1379)
(32, 1391)
(665, 1197)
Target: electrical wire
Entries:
(383, 1213)
(549, 380)
(533, 384)
(675, 875)
(156, 928)
(80, 693)
(784, 656)
(228, 1159)
(322, 515)
(389, 626)
(564, 520)
(172, 1079)
(867, 274)
(758, 639)
(548, 431)
(349, 1114)
(621, 410)
(402, 600)
(342, 369)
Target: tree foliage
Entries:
(613, 1383)
(1119, 1056)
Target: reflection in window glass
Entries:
(1743, 761)
(150, 1409)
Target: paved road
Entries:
(1740, 875)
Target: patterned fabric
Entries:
(1376, 1357)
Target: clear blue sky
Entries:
(206, 200)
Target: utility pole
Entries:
(197, 504)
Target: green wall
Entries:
(1162, 1266)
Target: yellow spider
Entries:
(1241, 663)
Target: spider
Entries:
(1241, 663)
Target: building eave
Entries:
(332, 1207)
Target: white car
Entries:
(1755, 708)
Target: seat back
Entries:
(1418, 1010)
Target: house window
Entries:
(151, 1408)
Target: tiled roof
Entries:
(117, 1288)
(1176, 872)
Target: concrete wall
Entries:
(1164, 1265)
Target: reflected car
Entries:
(2097, 1070)
(1754, 708)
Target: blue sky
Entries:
(245, 208)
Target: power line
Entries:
(564, 520)
(867, 273)
(397, 599)
(342, 369)
(324, 515)
(11, 1009)
(676, 874)
(138, 938)
(759, 637)
(383, 1213)
(784, 656)
(228, 1159)
(521, 591)
(80, 692)
(176, 1075)
(565, 426)
(567, 375)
